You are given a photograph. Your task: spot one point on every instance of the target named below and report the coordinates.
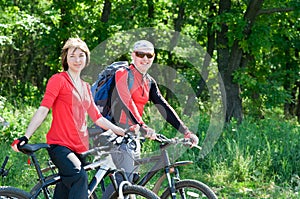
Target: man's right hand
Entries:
(193, 138)
(149, 132)
(18, 143)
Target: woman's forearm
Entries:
(36, 120)
(106, 124)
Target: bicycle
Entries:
(177, 188)
(44, 187)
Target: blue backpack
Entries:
(103, 87)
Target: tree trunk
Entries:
(106, 11)
(211, 39)
(178, 23)
(230, 61)
(223, 55)
(298, 103)
(298, 86)
(150, 4)
(103, 35)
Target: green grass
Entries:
(256, 159)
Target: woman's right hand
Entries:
(119, 131)
(18, 143)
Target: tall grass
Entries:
(254, 159)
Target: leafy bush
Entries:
(254, 159)
(20, 174)
(256, 152)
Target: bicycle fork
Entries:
(170, 179)
(172, 169)
(171, 183)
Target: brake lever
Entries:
(189, 143)
(198, 147)
(161, 138)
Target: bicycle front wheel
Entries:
(7, 192)
(135, 192)
(190, 189)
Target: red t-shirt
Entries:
(134, 98)
(144, 89)
(69, 110)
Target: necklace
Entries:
(76, 85)
(72, 78)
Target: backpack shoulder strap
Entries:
(150, 80)
(130, 79)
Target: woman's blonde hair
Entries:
(74, 43)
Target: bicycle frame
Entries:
(162, 162)
(44, 182)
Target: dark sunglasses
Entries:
(142, 54)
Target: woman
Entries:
(70, 99)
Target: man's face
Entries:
(143, 59)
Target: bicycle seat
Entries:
(30, 148)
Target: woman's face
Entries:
(76, 59)
(143, 60)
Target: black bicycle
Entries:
(45, 185)
(176, 188)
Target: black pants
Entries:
(74, 180)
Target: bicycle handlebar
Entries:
(94, 151)
(131, 131)
(163, 139)
(184, 141)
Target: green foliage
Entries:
(247, 157)
(18, 119)
(251, 160)
(32, 34)
(21, 94)
(271, 74)
(262, 89)
(256, 152)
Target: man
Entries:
(129, 109)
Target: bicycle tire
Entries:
(192, 189)
(7, 192)
(139, 192)
(51, 187)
